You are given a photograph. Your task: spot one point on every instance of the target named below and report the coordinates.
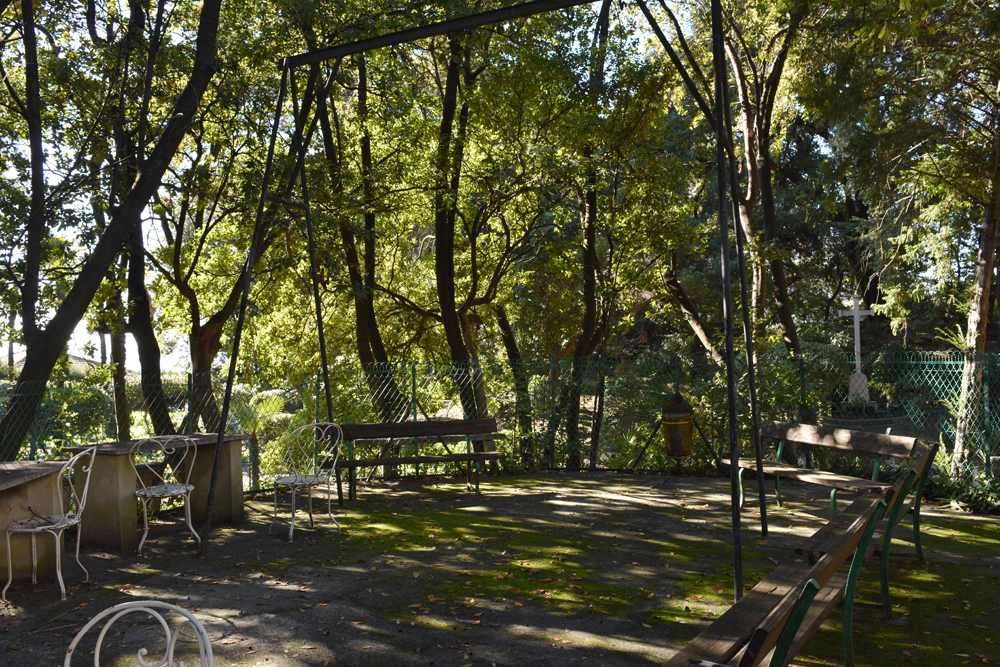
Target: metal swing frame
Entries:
(727, 183)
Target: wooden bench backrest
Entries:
(849, 537)
(760, 615)
(838, 438)
(421, 428)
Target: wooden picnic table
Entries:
(111, 520)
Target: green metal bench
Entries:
(837, 439)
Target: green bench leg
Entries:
(852, 583)
(887, 541)
(917, 495)
(777, 480)
(833, 502)
(809, 591)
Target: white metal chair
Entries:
(150, 459)
(72, 500)
(159, 611)
(310, 459)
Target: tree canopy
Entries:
(538, 188)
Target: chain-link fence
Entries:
(598, 414)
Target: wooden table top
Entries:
(16, 473)
(124, 447)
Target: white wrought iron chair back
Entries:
(159, 611)
(310, 459)
(72, 501)
(150, 459)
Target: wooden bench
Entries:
(766, 623)
(478, 436)
(841, 440)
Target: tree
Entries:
(45, 343)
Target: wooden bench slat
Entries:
(419, 428)
(837, 438)
(447, 439)
(819, 477)
(816, 544)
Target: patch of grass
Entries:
(944, 614)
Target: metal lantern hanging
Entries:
(677, 423)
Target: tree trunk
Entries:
(141, 328)
(382, 387)
(47, 345)
(123, 413)
(971, 403)
(586, 343)
(595, 433)
(522, 396)
(205, 343)
(782, 301)
(679, 296)
(444, 231)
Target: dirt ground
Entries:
(550, 569)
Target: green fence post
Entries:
(190, 415)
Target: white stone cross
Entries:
(858, 385)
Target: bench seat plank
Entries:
(819, 477)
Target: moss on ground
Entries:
(946, 613)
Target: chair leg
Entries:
(78, 527)
(34, 560)
(833, 502)
(145, 525)
(329, 505)
(62, 586)
(187, 517)
(742, 485)
(291, 527)
(274, 516)
(10, 570)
